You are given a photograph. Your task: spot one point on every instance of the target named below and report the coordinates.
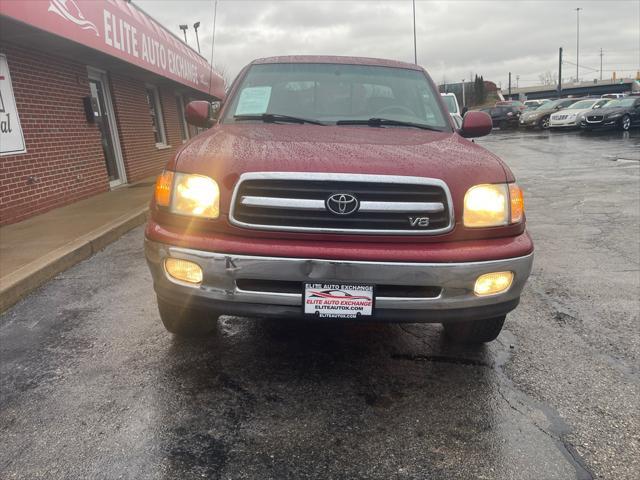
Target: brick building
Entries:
(92, 97)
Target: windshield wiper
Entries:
(379, 122)
(275, 117)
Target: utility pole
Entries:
(509, 85)
(560, 73)
(415, 50)
(184, 30)
(600, 64)
(464, 102)
(213, 41)
(195, 27)
(577, 43)
(517, 81)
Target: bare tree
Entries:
(548, 78)
(223, 71)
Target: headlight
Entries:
(188, 194)
(493, 205)
(614, 115)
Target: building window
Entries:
(184, 130)
(155, 110)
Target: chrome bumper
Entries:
(220, 272)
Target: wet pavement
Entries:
(93, 387)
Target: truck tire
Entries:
(474, 331)
(187, 322)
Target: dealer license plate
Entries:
(336, 300)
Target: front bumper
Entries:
(563, 124)
(219, 290)
(529, 122)
(606, 123)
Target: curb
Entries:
(18, 284)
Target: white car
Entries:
(451, 102)
(571, 116)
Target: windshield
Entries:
(450, 102)
(549, 105)
(332, 92)
(627, 102)
(583, 104)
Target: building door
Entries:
(105, 120)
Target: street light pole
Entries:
(415, 50)
(578, 43)
(464, 102)
(195, 27)
(184, 30)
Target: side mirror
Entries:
(465, 109)
(199, 113)
(476, 124)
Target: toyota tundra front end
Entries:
(337, 189)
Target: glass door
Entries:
(105, 120)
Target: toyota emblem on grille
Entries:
(342, 204)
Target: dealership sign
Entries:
(11, 138)
(120, 29)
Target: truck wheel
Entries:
(186, 322)
(625, 123)
(475, 331)
(544, 123)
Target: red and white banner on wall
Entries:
(118, 28)
(11, 138)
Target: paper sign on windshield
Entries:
(253, 101)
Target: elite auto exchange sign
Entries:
(11, 138)
(118, 28)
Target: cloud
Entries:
(454, 38)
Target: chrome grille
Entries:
(594, 118)
(386, 204)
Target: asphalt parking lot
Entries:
(93, 387)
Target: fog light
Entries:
(183, 270)
(492, 283)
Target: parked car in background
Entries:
(511, 103)
(302, 201)
(612, 95)
(451, 102)
(533, 104)
(539, 118)
(503, 116)
(571, 117)
(623, 114)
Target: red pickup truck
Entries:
(337, 188)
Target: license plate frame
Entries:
(337, 300)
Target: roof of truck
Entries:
(378, 62)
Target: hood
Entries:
(226, 151)
(609, 110)
(574, 111)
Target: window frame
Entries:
(158, 115)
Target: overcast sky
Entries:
(454, 38)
